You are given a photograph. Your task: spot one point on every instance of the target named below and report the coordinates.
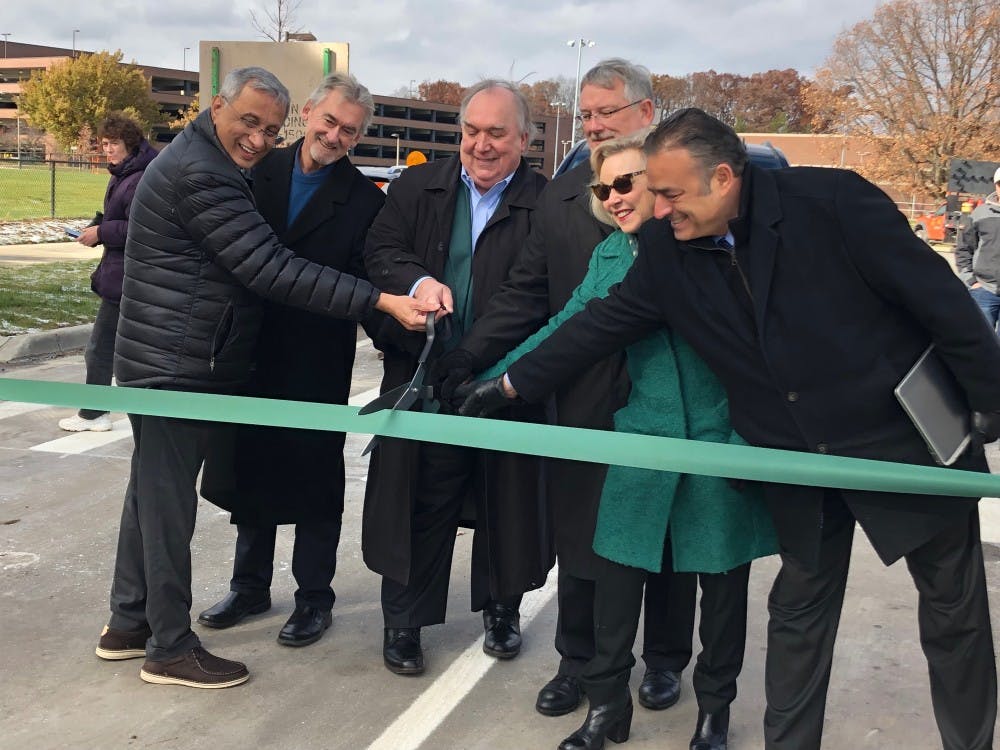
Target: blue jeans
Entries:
(989, 303)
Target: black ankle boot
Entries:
(712, 730)
(604, 721)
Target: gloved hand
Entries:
(986, 425)
(481, 398)
(450, 370)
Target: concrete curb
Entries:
(56, 341)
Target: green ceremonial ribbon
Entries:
(597, 446)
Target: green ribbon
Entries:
(597, 446)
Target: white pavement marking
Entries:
(412, 727)
(80, 442)
(360, 399)
(989, 520)
(16, 408)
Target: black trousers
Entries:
(447, 474)
(152, 578)
(99, 355)
(314, 561)
(668, 620)
(953, 618)
(722, 630)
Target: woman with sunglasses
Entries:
(649, 520)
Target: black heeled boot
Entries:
(611, 721)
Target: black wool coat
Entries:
(286, 475)
(410, 239)
(556, 255)
(844, 300)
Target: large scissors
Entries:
(403, 397)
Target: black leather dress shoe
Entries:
(503, 631)
(233, 608)
(660, 689)
(561, 695)
(306, 625)
(712, 732)
(401, 651)
(605, 721)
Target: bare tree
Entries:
(276, 20)
(924, 86)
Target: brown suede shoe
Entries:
(122, 644)
(197, 668)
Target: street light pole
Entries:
(185, 65)
(555, 141)
(75, 32)
(396, 136)
(5, 43)
(579, 44)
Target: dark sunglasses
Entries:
(622, 184)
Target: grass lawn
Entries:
(46, 295)
(26, 193)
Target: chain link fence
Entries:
(48, 189)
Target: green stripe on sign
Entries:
(598, 446)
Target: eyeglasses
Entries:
(604, 114)
(252, 124)
(622, 184)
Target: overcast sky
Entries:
(394, 42)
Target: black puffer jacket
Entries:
(197, 261)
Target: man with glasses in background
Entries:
(198, 259)
(616, 99)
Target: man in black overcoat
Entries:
(448, 233)
(320, 206)
(616, 99)
(807, 293)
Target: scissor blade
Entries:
(371, 446)
(387, 400)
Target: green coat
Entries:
(713, 527)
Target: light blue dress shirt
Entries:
(482, 205)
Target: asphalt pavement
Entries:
(60, 499)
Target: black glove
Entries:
(986, 425)
(482, 397)
(450, 370)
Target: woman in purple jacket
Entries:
(128, 154)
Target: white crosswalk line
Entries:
(81, 442)
(411, 728)
(17, 408)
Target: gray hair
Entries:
(352, 91)
(637, 80)
(524, 121)
(259, 80)
(601, 152)
(709, 141)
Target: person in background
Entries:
(977, 254)
(128, 154)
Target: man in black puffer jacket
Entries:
(198, 260)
